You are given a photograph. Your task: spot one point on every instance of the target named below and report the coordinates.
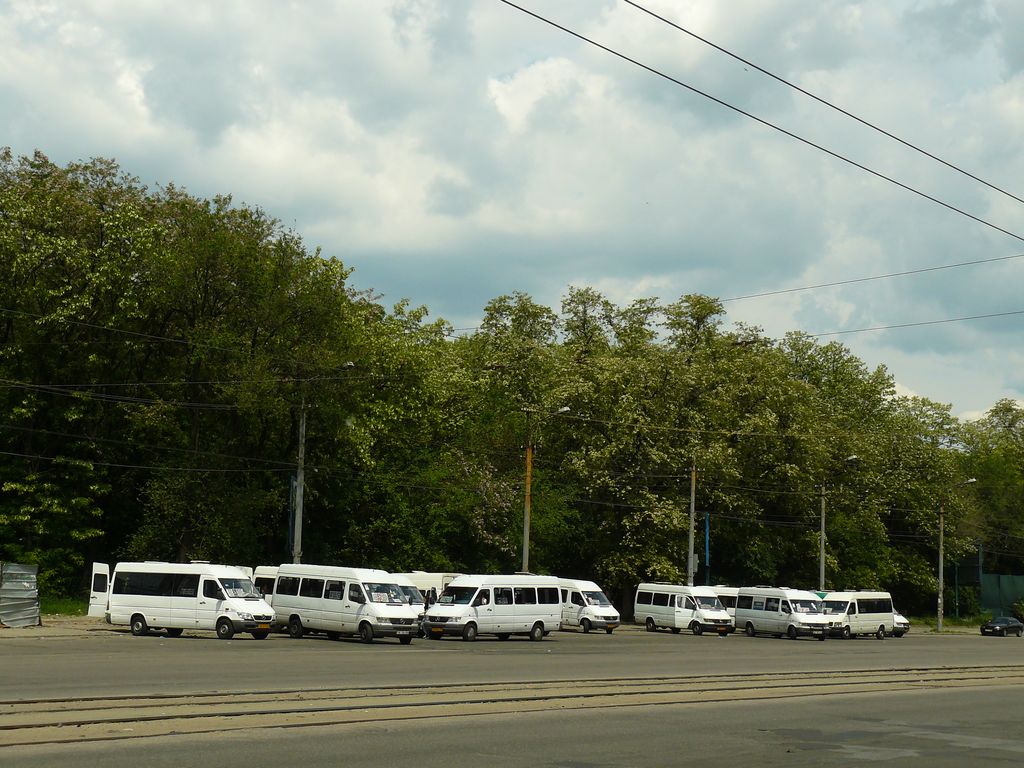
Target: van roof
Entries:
(510, 580)
(336, 571)
(203, 569)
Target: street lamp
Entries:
(527, 500)
(942, 586)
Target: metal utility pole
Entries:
(299, 480)
(690, 564)
(821, 544)
(942, 586)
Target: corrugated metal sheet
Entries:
(19, 595)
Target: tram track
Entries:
(111, 718)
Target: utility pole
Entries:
(821, 544)
(942, 586)
(690, 569)
(299, 480)
(527, 499)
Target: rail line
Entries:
(85, 719)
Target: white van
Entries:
(264, 577)
(496, 605)
(430, 584)
(679, 607)
(416, 599)
(179, 596)
(860, 613)
(727, 596)
(780, 611)
(584, 605)
(343, 601)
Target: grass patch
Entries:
(62, 606)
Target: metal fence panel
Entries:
(19, 595)
(999, 591)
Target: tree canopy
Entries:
(158, 351)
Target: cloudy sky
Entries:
(452, 151)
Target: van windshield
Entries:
(391, 594)
(412, 594)
(709, 603)
(456, 595)
(596, 598)
(240, 588)
(806, 606)
(835, 606)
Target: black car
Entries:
(1003, 625)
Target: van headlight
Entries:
(383, 620)
(245, 616)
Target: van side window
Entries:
(99, 582)
(503, 595)
(690, 604)
(729, 601)
(312, 588)
(335, 590)
(186, 585)
(660, 598)
(643, 598)
(758, 604)
(744, 601)
(771, 604)
(577, 599)
(547, 595)
(565, 594)
(355, 593)
(212, 590)
(524, 595)
(265, 585)
(483, 597)
(287, 585)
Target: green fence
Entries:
(1000, 591)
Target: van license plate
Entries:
(262, 626)
(402, 632)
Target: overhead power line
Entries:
(764, 122)
(827, 103)
(853, 280)
(914, 325)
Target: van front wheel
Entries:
(469, 633)
(139, 625)
(585, 625)
(880, 634)
(846, 633)
(295, 628)
(750, 630)
(366, 632)
(791, 632)
(696, 628)
(537, 632)
(225, 629)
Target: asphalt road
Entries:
(951, 699)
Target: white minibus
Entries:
(727, 596)
(679, 607)
(342, 601)
(780, 611)
(584, 605)
(264, 577)
(859, 613)
(179, 596)
(497, 605)
(430, 584)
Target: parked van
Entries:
(179, 596)
(497, 605)
(264, 577)
(342, 601)
(727, 596)
(430, 584)
(584, 605)
(416, 599)
(859, 613)
(678, 607)
(780, 611)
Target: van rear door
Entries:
(99, 589)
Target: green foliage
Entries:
(158, 352)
